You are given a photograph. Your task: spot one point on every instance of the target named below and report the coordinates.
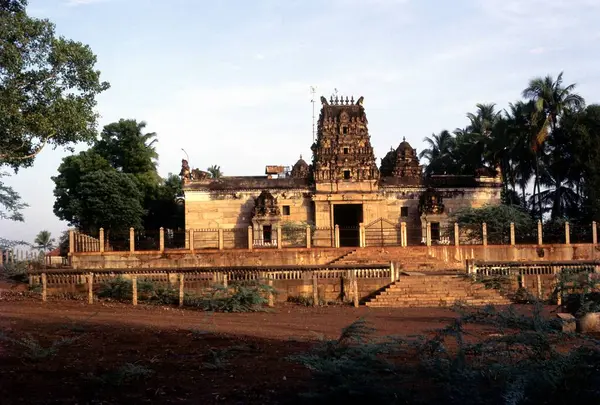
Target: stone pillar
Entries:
(403, 234)
(191, 240)
(181, 283)
(361, 235)
(131, 240)
(594, 233)
(250, 238)
(90, 283)
(567, 234)
(101, 240)
(392, 272)
(315, 289)
(337, 236)
(354, 289)
(134, 299)
(428, 233)
(225, 280)
(512, 233)
(271, 299)
(221, 241)
(279, 244)
(484, 233)
(71, 242)
(308, 236)
(539, 232)
(456, 234)
(44, 287)
(161, 238)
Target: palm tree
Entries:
(215, 172)
(551, 100)
(439, 152)
(44, 241)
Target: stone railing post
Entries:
(44, 287)
(181, 291)
(221, 241)
(270, 297)
(250, 238)
(90, 283)
(484, 233)
(337, 236)
(161, 238)
(134, 292)
(567, 234)
(361, 235)
(539, 232)
(392, 272)
(279, 238)
(308, 236)
(71, 242)
(131, 240)
(512, 233)
(191, 240)
(101, 240)
(456, 234)
(594, 233)
(315, 289)
(428, 233)
(403, 234)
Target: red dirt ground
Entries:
(176, 345)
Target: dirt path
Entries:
(284, 322)
(184, 356)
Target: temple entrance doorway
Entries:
(267, 233)
(348, 217)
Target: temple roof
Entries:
(248, 183)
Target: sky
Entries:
(229, 80)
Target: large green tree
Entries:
(110, 199)
(552, 99)
(124, 148)
(48, 89)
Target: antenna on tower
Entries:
(312, 93)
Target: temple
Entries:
(343, 187)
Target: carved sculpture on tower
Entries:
(300, 170)
(343, 151)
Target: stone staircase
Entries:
(408, 259)
(419, 290)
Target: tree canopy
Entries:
(44, 241)
(549, 139)
(124, 154)
(48, 89)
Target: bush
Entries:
(238, 297)
(17, 271)
(121, 289)
(118, 288)
(521, 364)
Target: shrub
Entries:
(519, 365)
(238, 297)
(118, 288)
(17, 271)
(34, 350)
